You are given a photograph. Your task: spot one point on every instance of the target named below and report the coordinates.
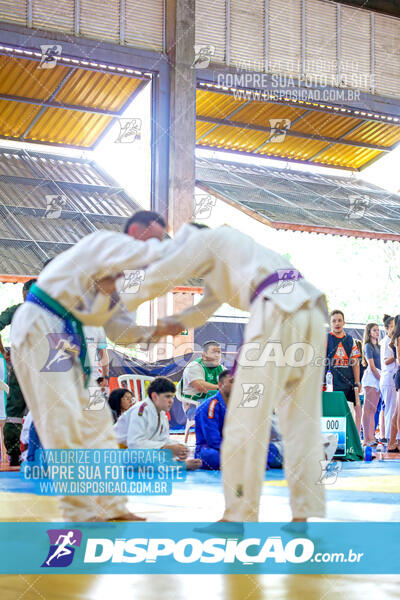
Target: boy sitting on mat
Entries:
(145, 424)
(209, 419)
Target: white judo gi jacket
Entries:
(232, 265)
(143, 426)
(57, 398)
(70, 278)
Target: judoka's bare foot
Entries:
(193, 463)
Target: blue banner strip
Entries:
(202, 548)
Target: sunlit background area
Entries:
(359, 276)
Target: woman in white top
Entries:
(388, 368)
(395, 424)
(370, 381)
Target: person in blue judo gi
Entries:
(209, 423)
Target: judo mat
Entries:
(361, 492)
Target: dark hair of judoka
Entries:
(224, 374)
(161, 385)
(144, 217)
(27, 285)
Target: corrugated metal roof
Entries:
(29, 231)
(303, 201)
(310, 134)
(58, 105)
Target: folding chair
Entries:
(136, 384)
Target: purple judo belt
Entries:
(281, 278)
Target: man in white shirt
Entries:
(286, 314)
(200, 378)
(79, 287)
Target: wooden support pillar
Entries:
(180, 39)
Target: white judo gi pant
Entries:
(295, 392)
(57, 401)
(388, 392)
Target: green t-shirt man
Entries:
(200, 377)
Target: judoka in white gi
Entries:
(81, 280)
(145, 425)
(387, 387)
(287, 314)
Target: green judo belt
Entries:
(73, 326)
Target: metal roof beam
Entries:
(140, 87)
(91, 187)
(51, 98)
(306, 112)
(52, 104)
(83, 64)
(84, 49)
(231, 114)
(280, 158)
(340, 138)
(298, 227)
(65, 214)
(288, 132)
(56, 157)
(38, 243)
(62, 145)
(281, 85)
(370, 162)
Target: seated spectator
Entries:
(120, 400)
(146, 425)
(200, 378)
(209, 421)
